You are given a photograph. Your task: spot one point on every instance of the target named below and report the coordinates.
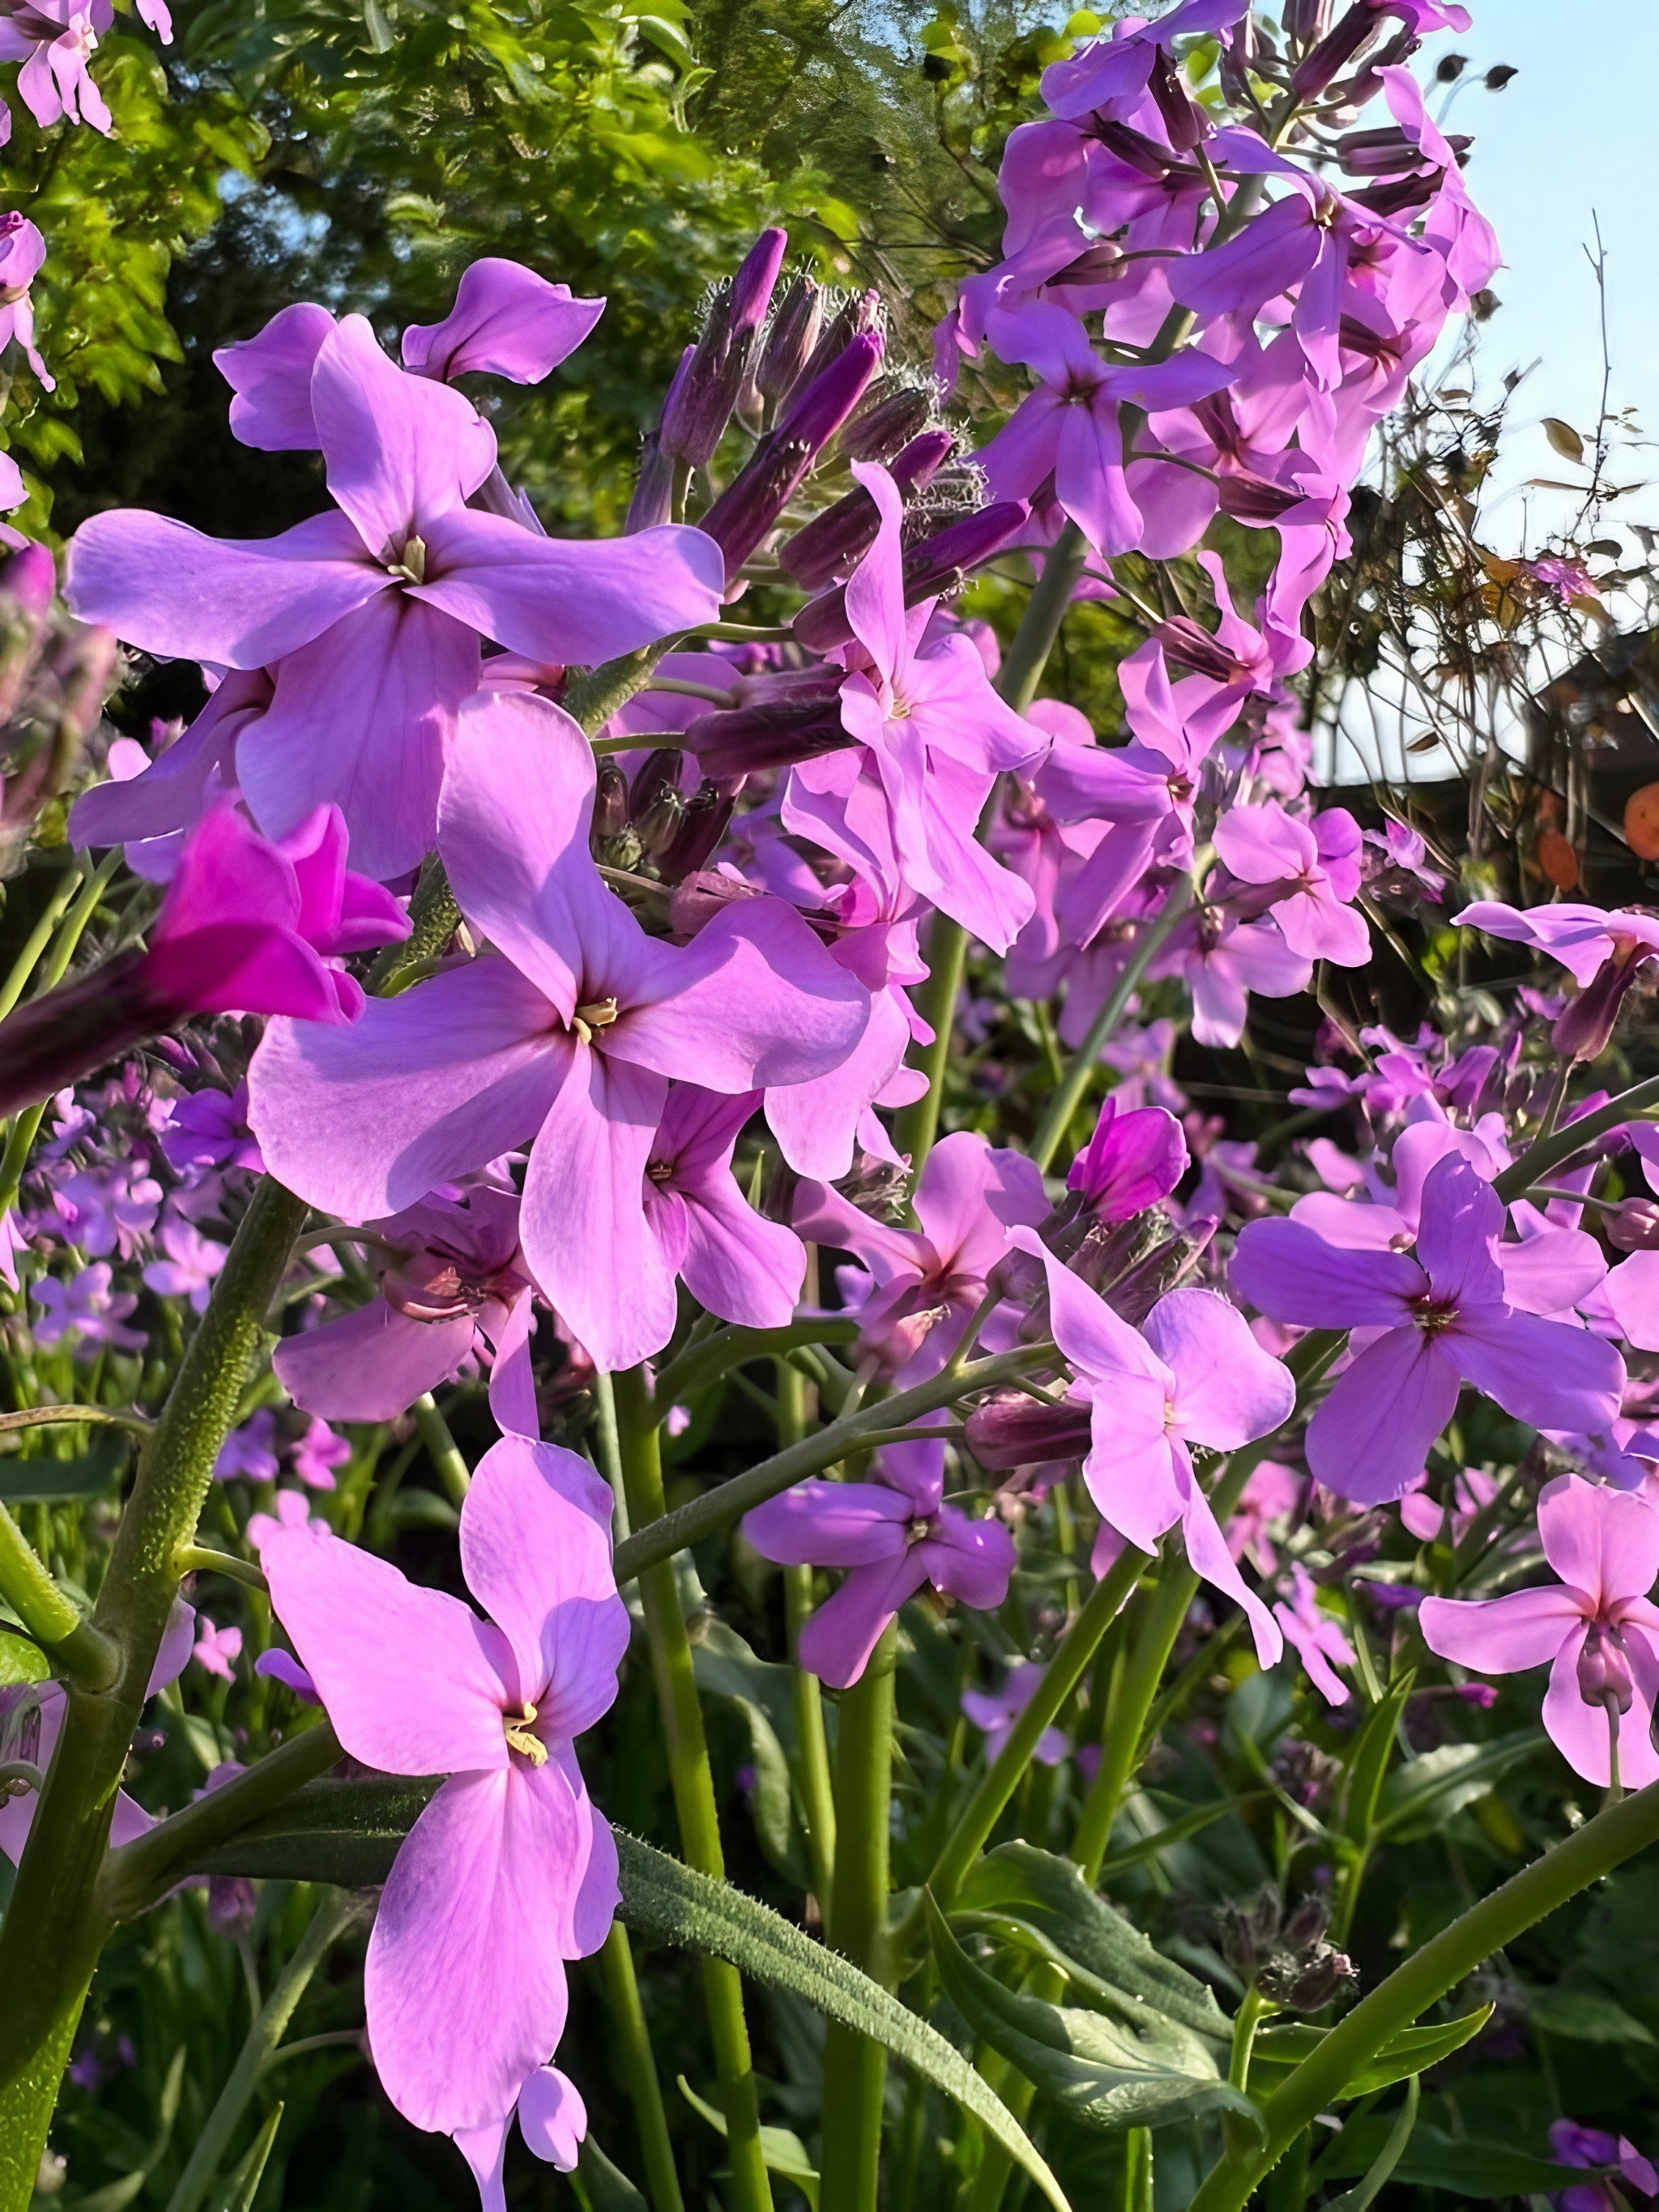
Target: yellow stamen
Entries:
(517, 1727)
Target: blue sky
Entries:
(1572, 135)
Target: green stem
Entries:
(1060, 1678)
(434, 919)
(26, 2104)
(689, 1524)
(693, 1783)
(1138, 2170)
(856, 2066)
(1039, 626)
(812, 1743)
(1134, 1690)
(331, 1919)
(442, 1448)
(622, 1990)
(700, 1365)
(1251, 2015)
(55, 1926)
(1539, 1159)
(1068, 1093)
(1613, 1835)
(37, 939)
(50, 1616)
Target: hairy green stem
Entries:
(338, 1909)
(856, 2066)
(26, 2104)
(812, 1744)
(689, 1524)
(622, 1990)
(1615, 1835)
(700, 1365)
(1548, 1152)
(442, 1448)
(693, 1783)
(55, 1924)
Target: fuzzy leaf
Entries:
(1285, 2044)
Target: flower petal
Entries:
(1287, 1270)
(1369, 1439)
(1604, 1542)
(1501, 1635)
(1228, 1390)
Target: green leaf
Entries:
(1190, 1823)
(781, 2148)
(116, 2195)
(1104, 2074)
(240, 2191)
(1284, 2043)
(609, 2189)
(1586, 2017)
(1393, 2150)
(1463, 2166)
(1427, 1791)
(46, 1481)
(348, 1832)
(1373, 1748)
(21, 1661)
(1033, 1897)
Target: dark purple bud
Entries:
(790, 340)
(700, 403)
(1183, 118)
(1140, 153)
(830, 543)
(48, 1043)
(1102, 263)
(1634, 1226)
(657, 774)
(1584, 1030)
(1450, 68)
(888, 421)
(1011, 1429)
(609, 799)
(1350, 35)
(751, 503)
(653, 495)
(786, 723)
(1316, 1984)
(1304, 21)
(704, 818)
(1498, 76)
(1254, 500)
(936, 566)
(1604, 1675)
(1397, 196)
(1383, 153)
(861, 316)
(1194, 647)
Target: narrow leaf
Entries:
(240, 2191)
(609, 2189)
(782, 2149)
(1104, 2074)
(1565, 440)
(1285, 2044)
(1393, 2150)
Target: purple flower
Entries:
(209, 1129)
(1272, 1492)
(509, 1871)
(23, 250)
(1603, 952)
(217, 1649)
(372, 614)
(88, 1308)
(553, 2121)
(566, 1042)
(1196, 1375)
(996, 1711)
(1430, 1324)
(317, 1455)
(895, 1541)
(1069, 427)
(191, 1264)
(250, 1450)
(1595, 1625)
(735, 1263)
(55, 41)
(931, 736)
(108, 1210)
(1403, 856)
(926, 1283)
(1573, 2145)
(1313, 871)
(454, 1278)
(1314, 1636)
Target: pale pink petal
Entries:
(1228, 1390)
(507, 321)
(1099, 1343)
(1501, 1635)
(1601, 1542)
(372, 1363)
(552, 2118)
(830, 1524)
(875, 590)
(1208, 1556)
(1580, 1732)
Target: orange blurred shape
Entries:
(1559, 861)
(1642, 822)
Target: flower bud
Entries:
(1584, 1030)
(832, 541)
(652, 502)
(700, 403)
(1137, 150)
(1182, 118)
(609, 799)
(1384, 153)
(790, 340)
(1634, 1226)
(703, 820)
(704, 893)
(1305, 21)
(1011, 1429)
(1102, 262)
(1197, 648)
(749, 740)
(888, 421)
(1352, 33)
(751, 503)
(936, 566)
(861, 315)
(1253, 500)
(1604, 1674)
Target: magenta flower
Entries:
(1112, 73)
(1271, 1494)
(509, 1871)
(1130, 1162)
(735, 1263)
(1596, 1625)
(318, 1452)
(1223, 962)
(209, 1129)
(372, 615)
(995, 1711)
(87, 1308)
(23, 250)
(452, 1276)
(565, 1043)
(108, 1211)
(1431, 1323)
(191, 1264)
(1069, 427)
(895, 1539)
(250, 1450)
(1402, 861)
(55, 41)
(1314, 1636)
(217, 1649)
(1196, 1375)
(924, 1283)
(1312, 870)
(1603, 952)
(931, 734)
